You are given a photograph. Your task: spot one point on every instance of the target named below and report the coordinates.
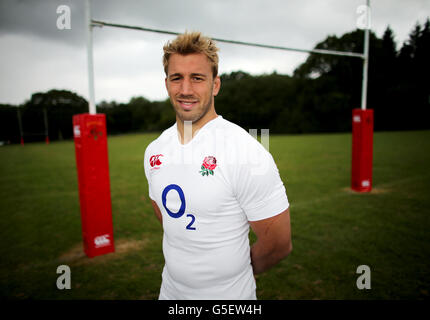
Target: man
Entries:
(209, 180)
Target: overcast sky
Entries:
(36, 56)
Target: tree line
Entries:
(318, 97)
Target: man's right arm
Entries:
(157, 211)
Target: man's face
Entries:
(191, 86)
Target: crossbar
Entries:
(97, 23)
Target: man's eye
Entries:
(175, 79)
(197, 79)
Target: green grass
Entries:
(334, 230)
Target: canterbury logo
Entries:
(155, 160)
(102, 241)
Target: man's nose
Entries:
(186, 87)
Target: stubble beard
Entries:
(184, 116)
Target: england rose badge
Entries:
(208, 166)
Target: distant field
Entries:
(334, 230)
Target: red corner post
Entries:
(94, 187)
(362, 150)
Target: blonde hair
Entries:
(192, 42)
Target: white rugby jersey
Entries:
(207, 191)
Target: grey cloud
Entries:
(259, 21)
(292, 23)
(39, 19)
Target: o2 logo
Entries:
(181, 210)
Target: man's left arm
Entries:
(273, 241)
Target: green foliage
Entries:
(398, 87)
(9, 128)
(138, 115)
(59, 105)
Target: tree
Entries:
(412, 91)
(9, 128)
(60, 106)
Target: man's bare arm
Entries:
(273, 241)
(157, 211)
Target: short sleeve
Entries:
(258, 186)
(147, 172)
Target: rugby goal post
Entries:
(22, 133)
(92, 163)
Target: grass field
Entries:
(334, 230)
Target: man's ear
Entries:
(165, 82)
(217, 86)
